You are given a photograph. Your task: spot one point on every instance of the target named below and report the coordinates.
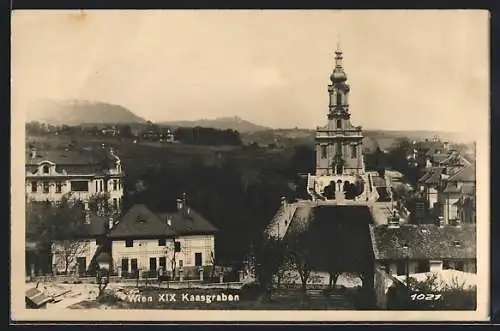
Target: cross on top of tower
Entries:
(338, 74)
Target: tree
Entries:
(269, 254)
(61, 226)
(301, 247)
(125, 131)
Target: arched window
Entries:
(45, 169)
(354, 151)
(339, 98)
(323, 151)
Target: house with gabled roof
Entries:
(73, 250)
(424, 247)
(171, 241)
(458, 197)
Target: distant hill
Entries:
(76, 112)
(221, 123)
(385, 139)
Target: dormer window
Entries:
(45, 169)
(140, 219)
(456, 243)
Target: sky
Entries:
(408, 70)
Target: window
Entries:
(448, 264)
(152, 263)
(80, 186)
(133, 264)
(45, 169)
(181, 263)
(197, 259)
(339, 98)
(423, 266)
(354, 152)
(115, 185)
(162, 242)
(115, 203)
(129, 243)
(45, 187)
(96, 186)
(33, 187)
(177, 246)
(339, 124)
(100, 185)
(125, 265)
(163, 262)
(323, 151)
(401, 268)
(58, 187)
(339, 149)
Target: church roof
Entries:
(424, 241)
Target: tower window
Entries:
(323, 151)
(339, 124)
(354, 151)
(45, 169)
(339, 98)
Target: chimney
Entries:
(33, 153)
(169, 221)
(283, 201)
(393, 222)
(440, 221)
(110, 223)
(86, 204)
(180, 204)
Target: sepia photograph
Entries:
(250, 165)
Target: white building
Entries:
(77, 255)
(340, 169)
(147, 242)
(72, 172)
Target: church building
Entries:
(340, 170)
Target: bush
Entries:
(251, 291)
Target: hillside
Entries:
(221, 123)
(75, 112)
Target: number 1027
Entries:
(425, 296)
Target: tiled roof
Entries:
(73, 156)
(140, 222)
(440, 157)
(432, 175)
(188, 224)
(433, 178)
(467, 174)
(425, 241)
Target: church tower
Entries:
(339, 150)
